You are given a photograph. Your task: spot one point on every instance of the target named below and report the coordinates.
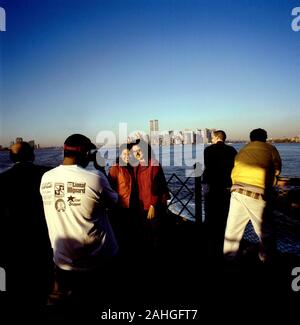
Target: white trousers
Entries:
(242, 209)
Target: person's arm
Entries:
(113, 177)
(108, 195)
(160, 186)
(205, 175)
(277, 162)
(206, 157)
(160, 190)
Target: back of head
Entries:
(21, 152)
(77, 147)
(258, 135)
(76, 144)
(220, 134)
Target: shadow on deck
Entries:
(182, 275)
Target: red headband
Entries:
(75, 148)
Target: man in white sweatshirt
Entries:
(75, 203)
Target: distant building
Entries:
(171, 136)
(155, 137)
(165, 138)
(153, 126)
(19, 140)
(177, 137)
(188, 137)
(296, 139)
(198, 136)
(207, 135)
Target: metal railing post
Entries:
(198, 195)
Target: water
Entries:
(176, 160)
(289, 152)
(288, 231)
(47, 157)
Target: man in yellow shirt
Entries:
(256, 168)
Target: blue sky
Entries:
(84, 66)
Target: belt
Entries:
(254, 195)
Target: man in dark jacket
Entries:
(25, 251)
(218, 161)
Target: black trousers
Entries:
(217, 202)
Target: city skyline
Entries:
(164, 137)
(85, 68)
(143, 130)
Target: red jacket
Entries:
(152, 185)
(121, 181)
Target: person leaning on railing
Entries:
(255, 171)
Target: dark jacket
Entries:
(25, 250)
(218, 162)
(24, 233)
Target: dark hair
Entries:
(124, 146)
(23, 153)
(220, 134)
(145, 147)
(77, 145)
(258, 135)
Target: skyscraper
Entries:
(154, 133)
(153, 125)
(188, 136)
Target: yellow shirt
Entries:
(257, 164)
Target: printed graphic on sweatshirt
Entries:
(59, 189)
(73, 187)
(48, 199)
(73, 201)
(46, 188)
(60, 205)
